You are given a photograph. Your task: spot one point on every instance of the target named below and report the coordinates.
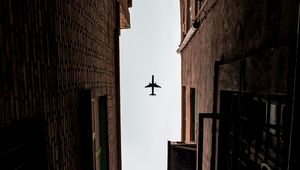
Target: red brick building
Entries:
(238, 73)
(59, 84)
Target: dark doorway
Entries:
(85, 130)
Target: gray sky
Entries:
(149, 47)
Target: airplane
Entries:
(152, 85)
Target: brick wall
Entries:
(50, 51)
(260, 33)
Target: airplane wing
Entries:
(149, 85)
(155, 85)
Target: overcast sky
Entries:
(149, 48)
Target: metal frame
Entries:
(251, 128)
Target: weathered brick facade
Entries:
(51, 51)
(255, 36)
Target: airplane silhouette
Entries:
(152, 85)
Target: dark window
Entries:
(100, 133)
(183, 114)
(94, 124)
(104, 156)
(193, 113)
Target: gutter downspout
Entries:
(201, 16)
(117, 33)
(291, 164)
(188, 36)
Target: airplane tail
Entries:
(152, 94)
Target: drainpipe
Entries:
(200, 17)
(117, 33)
(188, 36)
(292, 158)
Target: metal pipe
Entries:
(291, 137)
(188, 36)
(198, 21)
